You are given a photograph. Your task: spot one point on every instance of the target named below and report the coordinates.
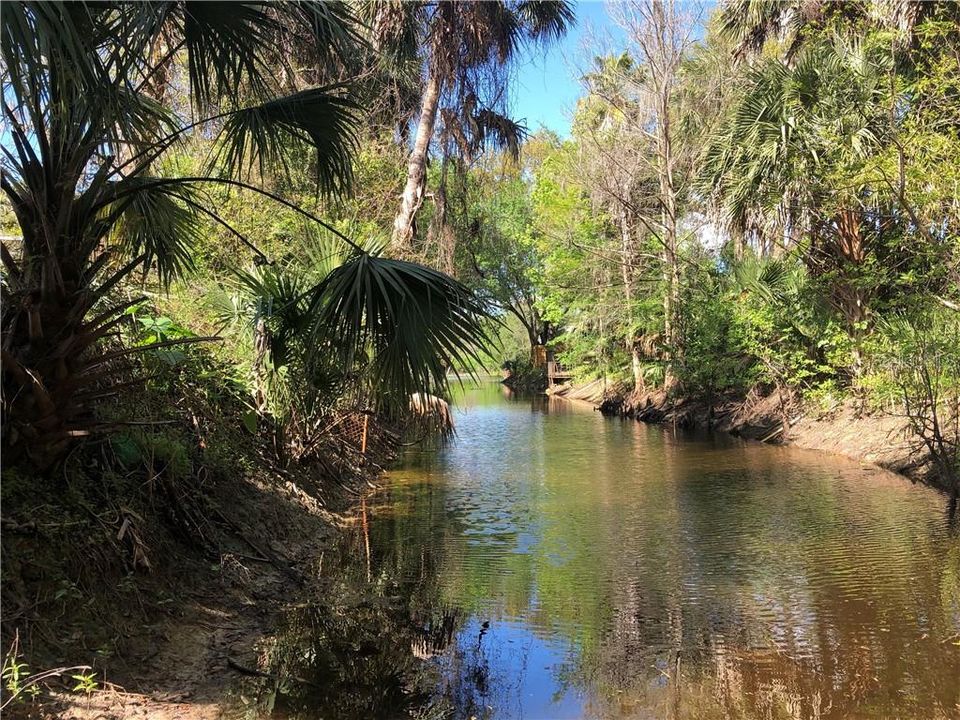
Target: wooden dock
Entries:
(556, 373)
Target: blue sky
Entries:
(546, 86)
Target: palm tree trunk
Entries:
(852, 297)
(412, 199)
(739, 243)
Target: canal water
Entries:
(552, 563)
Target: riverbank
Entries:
(152, 576)
(871, 437)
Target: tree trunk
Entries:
(739, 237)
(412, 198)
(626, 271)
(668, 200)
(662, 36)
(45, 359)
(851, 297)
(441, 240)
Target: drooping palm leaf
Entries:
(546, 19)
(319, 118)
(396, 27)
(489, 30)
(413, 324)
(499, 131)
(225, 43)
(38, 36)
(750, 23)
(332, 27)
(159, 223)
(325, 251)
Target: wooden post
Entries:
(363, 441)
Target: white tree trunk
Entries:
(626, 271)
(412, 198)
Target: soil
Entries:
(182, 643)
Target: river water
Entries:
(552, 563)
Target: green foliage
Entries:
(21, 684)
(318, 119)
(85, 682)
(918, 359)
(162, 450)
(15, 676)
(414, 322)
(716, 355)
(523, 376)
(142, 187)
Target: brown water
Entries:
(552, 563)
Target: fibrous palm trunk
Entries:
(413, 192)
(48, 373)
(851, 295)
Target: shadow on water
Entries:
(551, 563)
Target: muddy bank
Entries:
(859, 434)
(173, 632)
(169, 592)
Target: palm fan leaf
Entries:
(546, 19)
(413, 324)
(225, 44)
(332, 26)
(37, 36)
(276, 295)
(490, 29)
(320, 118)
(157, 221)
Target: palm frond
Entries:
(38, 36)
(546, 19)
(410, 324)
(225, 43)
(332, 26)
(490, 128)
(489, 29)
(138, 119)
(319, 118)
(324, 251)
(396, 27)
(158, 222)
(750, 23)
(277, 296)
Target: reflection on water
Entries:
(552, 563)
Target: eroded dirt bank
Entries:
(134, 591)
(172, 628)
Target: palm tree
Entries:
(85, 136)
(772, 167)
(751, 23)
(463, 48)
